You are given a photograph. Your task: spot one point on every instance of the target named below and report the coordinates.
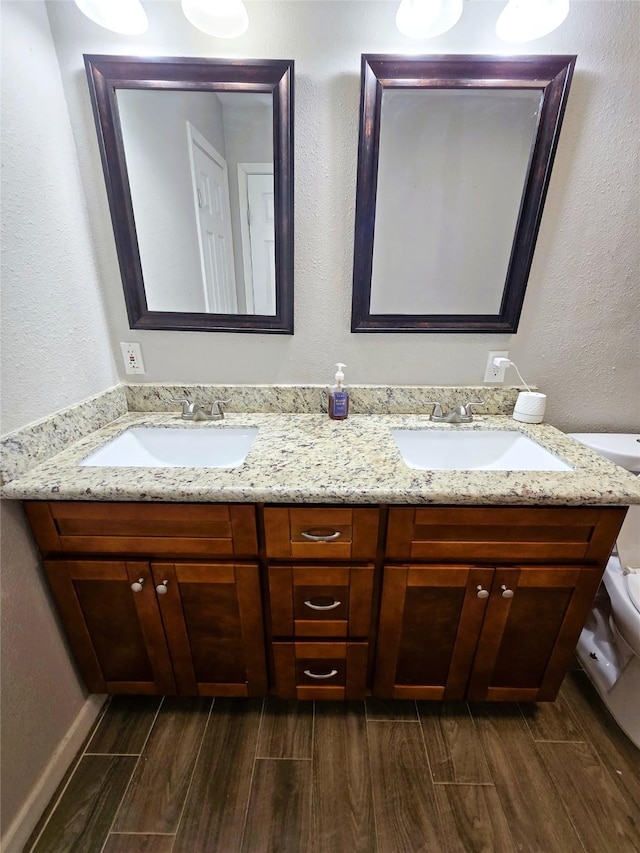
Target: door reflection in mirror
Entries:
(189, 158)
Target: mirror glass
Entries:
(447, 146)
(200, 168)
(454, 159)
(198, 163)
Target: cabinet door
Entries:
(212, 615)
(430, 621)
(532, 624)
(115, 631)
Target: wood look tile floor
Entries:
(227, 775)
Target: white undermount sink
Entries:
(474, 450)
(158, 447)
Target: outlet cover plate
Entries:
(492, 373)
(132, 357)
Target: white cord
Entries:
(521, 379)
(506, 362)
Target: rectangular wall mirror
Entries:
(198, 162)
(454, 160)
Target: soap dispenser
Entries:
(338, 396)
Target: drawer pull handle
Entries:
(137, 586)
(482, 593)
(161, 589)
(320, 674)
(332, 606)
(321, 537)
(506, 593)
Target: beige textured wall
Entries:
(55, 352)
(579, 337)
(41, 693)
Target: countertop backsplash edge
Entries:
(25, 448)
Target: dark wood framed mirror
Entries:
(198, 163)
(454, 160)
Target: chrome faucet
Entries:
(457, 415)
(196, 412)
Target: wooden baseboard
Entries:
(25, 821)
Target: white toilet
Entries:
(609, 646)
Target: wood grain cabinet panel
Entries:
(430, 621)
(533, 620)
(484, 603)
(487, 634)
(165, 628)
(320, 601)
(116, 634)
(155, 530)
(321, 533)
(212, 615)
(320, 670)
(505, 534)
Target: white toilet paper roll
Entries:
(530, 407)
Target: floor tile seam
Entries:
(163, 834)
(478, 740)
(252, 777)
(133, 772)
(560, 740)
(601, 750)
(570, 714)
(116, 754)
(279, 758)
(491, 774)
(72, 774)
(559, 796)
(609, 773)
(311, 806)
(193, 770)
(375, 720)
(373, 797)
(440, 824)
(103, 710)
(149, 730)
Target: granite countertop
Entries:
(308, 458)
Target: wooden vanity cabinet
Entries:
(503, 624)
(157, 618)
(320, 599)
(483, 603)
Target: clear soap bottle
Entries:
(339, 396)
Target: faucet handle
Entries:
(216, 411)
(466, 408)
(188, 408)
(437, 409)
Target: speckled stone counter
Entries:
(308, 458)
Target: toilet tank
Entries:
(623, 448)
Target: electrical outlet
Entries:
(132, 357)
(493, 373)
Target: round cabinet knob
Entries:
(161, 589)
(506, 593)
(482, 593)
(137, 586)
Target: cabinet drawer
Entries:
(502, 533)
(320, 601)
(320, 670)
(160, 530)
(320, 532)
